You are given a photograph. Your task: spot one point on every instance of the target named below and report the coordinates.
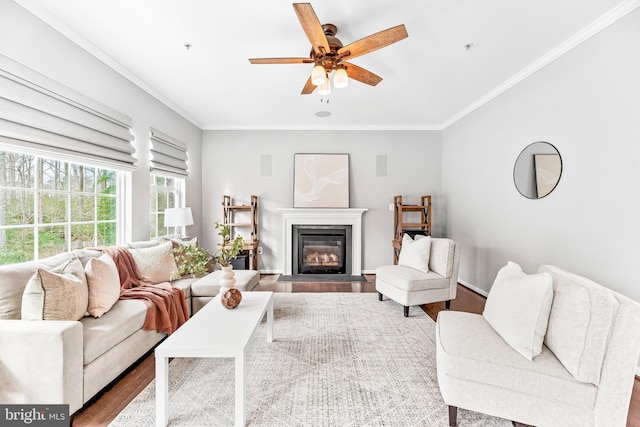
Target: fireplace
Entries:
(352, 217)
(321, 249)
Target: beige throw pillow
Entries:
(155, 264)
(518, 307)
(104, 284)
(415, 253)
(59, 294)
(581, 318)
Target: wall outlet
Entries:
(259, 250)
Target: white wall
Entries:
(231, 165)
(26, 39)
(587, 104)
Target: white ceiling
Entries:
(430, 78)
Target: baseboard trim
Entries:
(474, 288)
(280, 271)
(638, 372)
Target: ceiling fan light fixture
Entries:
(340, 78)
(318, 75)
(325, 88)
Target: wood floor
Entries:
(106, 406)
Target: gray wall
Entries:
(231, 165)
(27, 40)
(586, 103)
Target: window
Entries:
(166, 192)
(51, 206)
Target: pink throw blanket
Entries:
(166, 305)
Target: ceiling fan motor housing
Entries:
(329, 60)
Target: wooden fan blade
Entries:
(311, 26)
(308, 87)
(361, 75)
(374, 42)
(280, 60)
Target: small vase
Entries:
(227, 279)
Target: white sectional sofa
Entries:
(588, 343)
(64, 361)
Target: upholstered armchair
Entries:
(427, 272)
(551, 349)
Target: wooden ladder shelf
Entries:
(249, 221)
(400, 226)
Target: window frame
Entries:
(178, 190)
(37, 190)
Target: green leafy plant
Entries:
(228, 250)
(191, 261)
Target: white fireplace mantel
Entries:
(325, 216)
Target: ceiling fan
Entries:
(328, 53)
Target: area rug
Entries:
(337, 359)
(336, 278)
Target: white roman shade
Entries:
(168, 155)
(41, 116)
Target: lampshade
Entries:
(318, 75)
(325, 88)
(177, 217)
(340, 78)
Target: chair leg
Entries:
(406, 311)
(379, 296)
(453, 416)
(447, 304)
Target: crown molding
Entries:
(66, 31)
(328, 127)
(618, 12)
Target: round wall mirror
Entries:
(537, 170)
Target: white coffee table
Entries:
(214, 331)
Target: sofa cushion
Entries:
(124, 319)
(415, 253)
(143, 244)
(179, 242)
(185, 284)
(156, 263)
(410, 279)
(209, 285)
(441, 256)
(469, 349)
(14, 278)
(581, 318)
(518, 308)
(104, 284)
(59, 294)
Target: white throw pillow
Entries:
(59, 294)
(156, 263)
(415, 253)
(104, 284)
(518, 308)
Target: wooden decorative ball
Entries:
(231, 298)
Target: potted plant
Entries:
(227, 251)
(191, 261)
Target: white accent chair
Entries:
(409, 286)
(583, 376)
